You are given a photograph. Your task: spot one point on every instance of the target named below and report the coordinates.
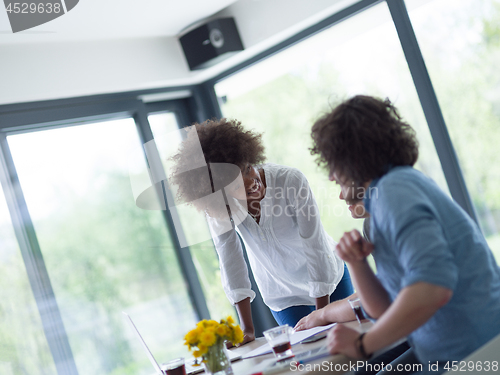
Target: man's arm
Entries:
(354, 249)
(413, 306)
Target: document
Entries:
(295, 338)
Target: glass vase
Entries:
(216, 361)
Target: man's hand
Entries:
(342, 340)
(314, 319)
(353, 248)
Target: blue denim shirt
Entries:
(421, 234)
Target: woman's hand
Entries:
(353, 248)
(248, 337)
(246, 321)
(342, 340)
(314, 319)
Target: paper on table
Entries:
(295, 338)
(302, 335)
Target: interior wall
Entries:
(271, 21)
(30, 72)
(45, 71)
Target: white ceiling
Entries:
(115, 19)
(109, 46)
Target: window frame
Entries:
(68, 113)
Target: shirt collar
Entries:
(367, 198)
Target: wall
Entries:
(34, 72)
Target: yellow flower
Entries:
(208, 333)
(211, 323)
(237, 335)
(191, 337)
(207, 338)
(202, 324)
(221, 330)
(202, 349)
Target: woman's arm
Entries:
(338, 311)
(235, 278)
(245, 314)
(322, 301)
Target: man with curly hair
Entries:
(290, 254)
(437, 282)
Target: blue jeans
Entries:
(293, 314)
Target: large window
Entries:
(460, 41)
(283, 95)
(165, 130)
(23, 348)
(103, 254)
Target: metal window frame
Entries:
(418, 71)
(430, 105)
(184, 256)
(21, 119)
(38, 277)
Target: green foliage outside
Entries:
(462, 58)
(126, 259)
(285, 108)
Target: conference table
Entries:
(333, 364)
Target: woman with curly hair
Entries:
(437, 281)
(273, 210)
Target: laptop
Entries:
(148, 352)
(192, 366)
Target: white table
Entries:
(337, 364)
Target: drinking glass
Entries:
(279, 340)
(174, 367)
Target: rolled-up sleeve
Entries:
(234, 271)
(324, 267)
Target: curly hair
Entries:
(221, 141)
(362, 137)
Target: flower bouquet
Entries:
(208, 339)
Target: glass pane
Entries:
(165, 130)
(283, 95)
(460, 41)
(104, 255)
(23, 347)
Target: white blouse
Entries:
(291, 255)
